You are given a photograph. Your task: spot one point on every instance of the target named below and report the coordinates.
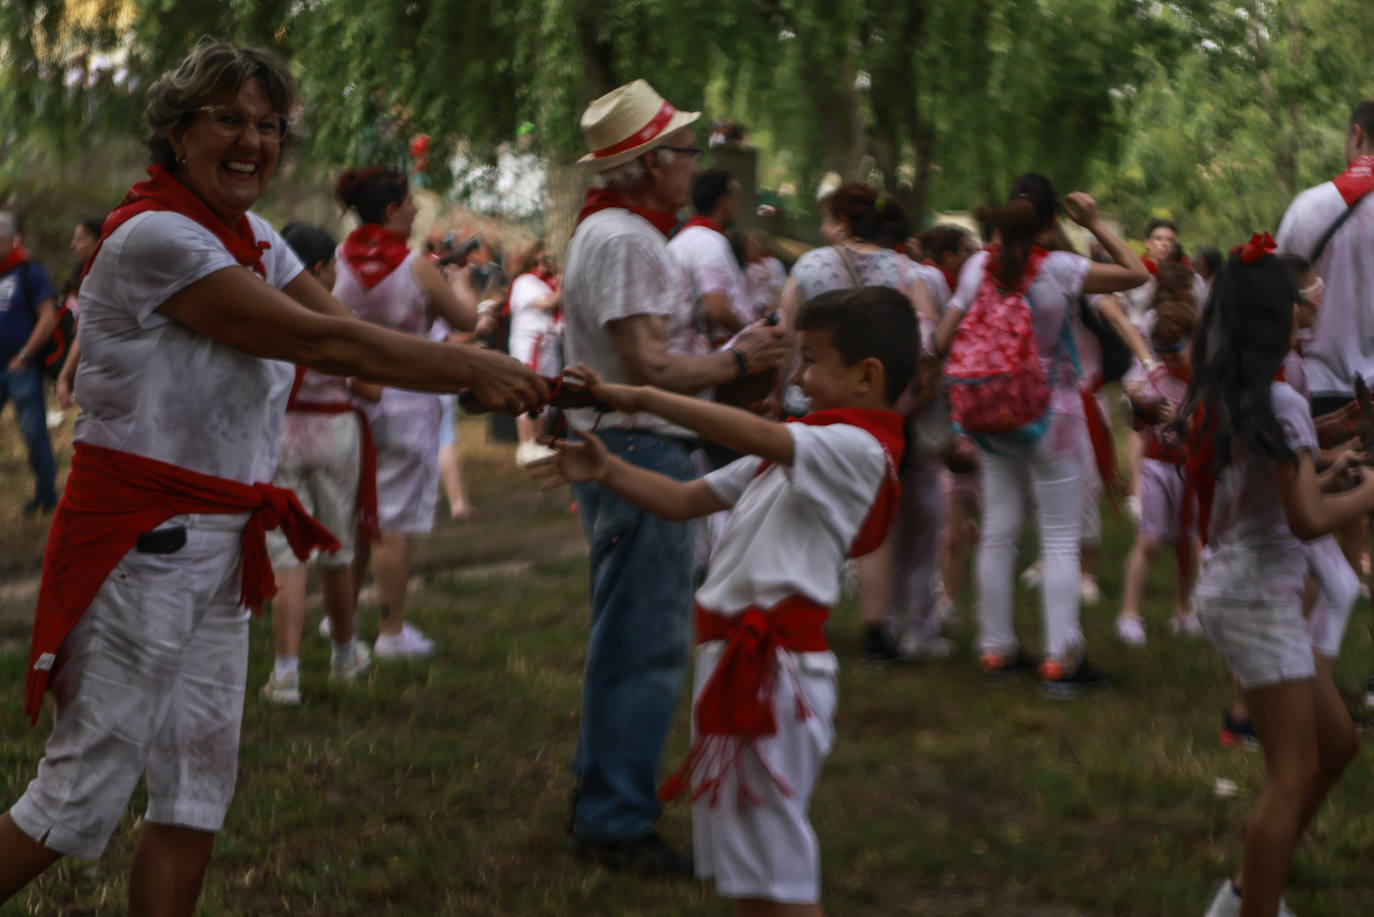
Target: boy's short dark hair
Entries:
(708, 188)
(1156, 223)
(868, 322)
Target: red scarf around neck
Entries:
(1357, 180)
(16, 257)
(599, 199)
(703, 221)
(111, 498)
(162, 191)
(373, 253)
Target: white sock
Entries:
(286, 665)
(345, 650)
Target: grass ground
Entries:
(442, 787)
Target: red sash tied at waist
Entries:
(369, 523)
(735, 707)
(111, 498)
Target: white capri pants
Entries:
(149, 683)
(1052, 473)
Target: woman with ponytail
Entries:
(1048, 470)
(383, 281)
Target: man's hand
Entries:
(576, 462)
(764, 346)
(504, 383)
(624, 398)
(19, 361)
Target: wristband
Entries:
(23, 355)
(741, 362)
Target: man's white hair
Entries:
(631, 173)
(9, 226)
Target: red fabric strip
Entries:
(651, 130)
(599, 199)
(16, 257)
(703, 221)
(1356, 181)
(162, 191)
(111, 498)
(373, 253)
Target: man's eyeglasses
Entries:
(229, 121)
(684, 150)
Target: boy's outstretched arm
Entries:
(588, 461)
(733, 428)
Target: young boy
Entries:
(806, 495)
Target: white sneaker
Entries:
(1226, 903)
(1130, 630)
(285, 691)
(527, 454)
(1088, 593)
(326, 629)
(1186, 626)
(1133, 507)
(933, 649)
(55, 419)
(947, 610)
(351, 667)
(1032, 575)
(410, 643)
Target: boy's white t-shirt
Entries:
(791, 528)
(152, 386)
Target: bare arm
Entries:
(42, 330)
(1128, 271)
(1309, 512)
(66, 380)
(641, 342)
(456, 303)
(1109, 307)
(734, 428)
(587, 460)
(236, 308)
(717, 307)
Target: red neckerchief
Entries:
(16, 257)
(886, 428)
(1150, 266)
(703, 221)
(162, 191)
(111, 498)
(735, 706)
(1357, 180)
(369, 522)
(599, 199)
(1037, 255)
(373, 253)
(951, 280)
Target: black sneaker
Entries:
(1061, 685)
(998, 667)
(879, 648)
(1237, 732)
(648, 857)
(38, 505)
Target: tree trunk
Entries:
(567, 186)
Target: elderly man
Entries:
(27, 316)
(629, 316)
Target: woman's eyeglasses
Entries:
(229, 121)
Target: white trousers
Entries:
(1052, 475)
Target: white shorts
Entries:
(1340, 587)
(149, 682)
(1263, 644)
(769, 850)
(407, 438)
(320, 461)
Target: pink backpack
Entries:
(996, 382)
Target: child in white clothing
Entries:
(806, 495)
(1251, 436)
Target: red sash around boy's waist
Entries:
(111, 498)
(735, 706)
(369, 524)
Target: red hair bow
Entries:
(1258, 247)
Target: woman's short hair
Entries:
(212, 69)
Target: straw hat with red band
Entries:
(627, 122)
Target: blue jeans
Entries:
(638, 646)
(25, 389)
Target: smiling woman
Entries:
(192, 310)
